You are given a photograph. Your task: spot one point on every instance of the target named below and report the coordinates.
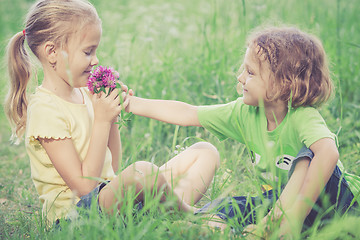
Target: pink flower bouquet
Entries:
(102, 77)
(106, 77)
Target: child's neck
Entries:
(63, 91)
(275, 114)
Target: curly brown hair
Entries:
(298, 63)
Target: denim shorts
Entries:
(86, 200)
(336, 194)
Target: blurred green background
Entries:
(188, 51)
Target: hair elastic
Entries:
(24, 32)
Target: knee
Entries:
(211, 151)
(144, 168)
(149, 174)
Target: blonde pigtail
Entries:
(19, 70)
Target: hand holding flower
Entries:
(106, 106)
(103, 80)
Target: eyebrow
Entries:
(246, 66)
(91, 46)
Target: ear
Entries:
(51, 52)
(271, 91)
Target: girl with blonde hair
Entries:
(70, 134)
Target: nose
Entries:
(94, 61)
(241, 78)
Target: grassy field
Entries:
(189, 51)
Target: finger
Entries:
(114, 94)
(99, 94)
(131, 92)
(118, 110)
(125, 103)
(123, 96)
(124, 88)
(107, 91)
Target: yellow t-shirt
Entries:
(49, 116)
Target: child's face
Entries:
(254, 79)
(76, 63)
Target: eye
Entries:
(87, 53)
(250, 72)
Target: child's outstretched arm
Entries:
(168, 111)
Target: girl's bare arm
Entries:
(65, 157)
(114, 145)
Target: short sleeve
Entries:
(46, 120)
(222, 120)
(311, 126)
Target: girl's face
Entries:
(255, 79)
(75, 64)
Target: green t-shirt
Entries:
(272, 152)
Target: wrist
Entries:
(104, 124)
(301, 208)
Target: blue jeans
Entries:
(336, 193)
(85, 203)
(86, 200)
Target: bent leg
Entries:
(143, 176)
(191, 172)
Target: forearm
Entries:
(318, 174)
(114, 145)
(93, 163)
(168, 111)
(292, 189)
(316, 178)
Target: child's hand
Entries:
(125, 97)
(124, 100)
(125, 89)
(107, 108)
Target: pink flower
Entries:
(102, 77)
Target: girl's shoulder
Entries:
(41, 94)
(45, 98)
(42, 99)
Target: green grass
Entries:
(189, 51)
